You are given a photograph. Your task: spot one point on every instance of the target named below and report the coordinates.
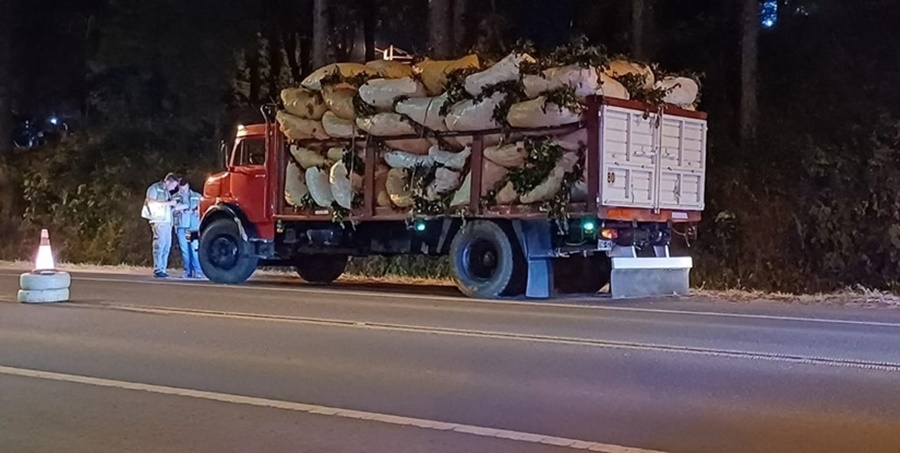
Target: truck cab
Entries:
(232, 198)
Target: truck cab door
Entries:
(248, 177)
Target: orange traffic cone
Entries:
(44, 284)
(44, 261)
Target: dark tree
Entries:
(6, 75)
(370, 19)
(440, 24)
(637, 28)
(749, 109)
(460, 31)
(321, 32)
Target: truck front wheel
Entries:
(321, 269)
(486, 262)
(225, 256)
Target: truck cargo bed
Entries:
(639, 166)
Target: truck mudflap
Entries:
(640, 277)
(534, 238)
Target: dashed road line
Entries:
(480, 431)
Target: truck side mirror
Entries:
(223, 152)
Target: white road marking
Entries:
(461, 299)
(480, 431)
(571, 341)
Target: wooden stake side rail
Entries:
(593, 123)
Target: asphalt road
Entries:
(136, 365)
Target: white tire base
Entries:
(46, 296)
(43, 282)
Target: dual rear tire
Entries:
(487, 261)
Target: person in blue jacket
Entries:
(187, 228)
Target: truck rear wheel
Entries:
(581, 274)
(321, 269)
(486, 261)
(225, 256)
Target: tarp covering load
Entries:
(422, 120)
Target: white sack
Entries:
(334, 154)
(319, 187)
(339, 99)
(385, 125)
(308, 158)
(491, 175)
(472, 116)
(410, 145)
(507, 195)
(680, 91)
(619, 68)
(583, 80)
(396, 187)
(573, 141)
(506, 70)
(531, 114)
(294, 185)
(508, 156)
(341, 186)
(445, 181)
(338, 127)
(579, 191)
(552, 185)
(303, 103)
(400, 159)
(314, 80)
(296, 128)
(487, 140)
(612, 88)
(450, 159)
(382, 198)
(424, 111)
(382, 93)
(434, 72)
(464, 193)
(390, 69)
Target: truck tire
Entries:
(41, 282)
(580, 274)
(225, 257)
(47, 296)
(486, 261)
(321, 269)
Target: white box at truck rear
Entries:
(652, 164)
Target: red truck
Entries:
(645, 173)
